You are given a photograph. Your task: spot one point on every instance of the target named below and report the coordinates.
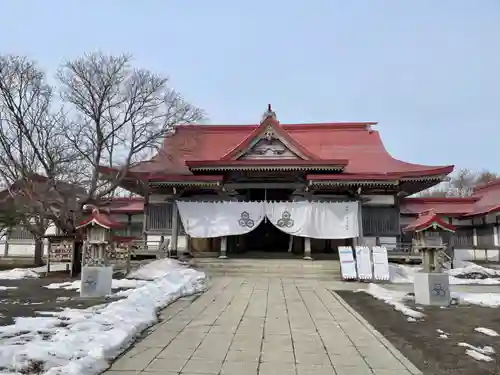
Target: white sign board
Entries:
(364, 262)
(347, 263)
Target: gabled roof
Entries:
(101, 219)
(355, 142)
(270, 124)
(428, 220)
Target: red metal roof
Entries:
(125, 205)
(484, 200)
(449, 206)
(488, 198)
(100, 218)
(355, 142)
(426, 220)
(271, 162)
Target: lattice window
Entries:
(485, 237)
(380, 221)
(20, 233)
(463, 238)
(159, 217)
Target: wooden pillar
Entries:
(175, 227)
(129, 225)
(307, 248)
(223, 248)
(361, 238)
(145, 223)
(6, 237)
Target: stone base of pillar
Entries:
(307, 248)
(223, 248)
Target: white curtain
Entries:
(324, 220)
(218, 219)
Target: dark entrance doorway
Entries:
(266, 237)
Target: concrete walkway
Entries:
(249, 326)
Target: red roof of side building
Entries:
(355, 143)
(427, 220)
(122, 205)
(488, 198)
(448, 206)
(100, 218)
(484, 200)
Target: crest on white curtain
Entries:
(323, 220)
(219, 219)
(245, 221)
(286, 220)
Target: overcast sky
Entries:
(428, 71)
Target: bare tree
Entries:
(460, 184)
(119, 115)
(485, 176)
(111, 115)
(34, 152)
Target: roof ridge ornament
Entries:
(269, 113)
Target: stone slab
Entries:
(251, 326)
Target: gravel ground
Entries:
(420, 341)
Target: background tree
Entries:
(110, 114)
(460, 184)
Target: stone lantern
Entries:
(97, 273)
(431, 285)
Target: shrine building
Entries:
(304, 189)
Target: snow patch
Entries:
(470, 274)
(479, 354)
(481, 299)
(75, 342)
(156, 269)
(18, 274)
(394, 298)
(7, 287)
(486, 331)
(442, 334)
(116, 284)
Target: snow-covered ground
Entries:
(396, 297)
(27, 273)
(469, 274)
(77, 342)
(397, 300)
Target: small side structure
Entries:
(431, 285)
(100, 253)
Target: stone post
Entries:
(307, 248)
(223, 248)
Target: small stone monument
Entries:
(97, 273)
(431, 285)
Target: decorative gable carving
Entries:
(269, 141)
(269, 146)
(273, 149)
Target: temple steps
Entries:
(273, 268)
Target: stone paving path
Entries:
(250, 326)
